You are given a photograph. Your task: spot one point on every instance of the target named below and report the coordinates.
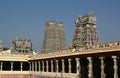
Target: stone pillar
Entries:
(102, 67)
(32, 65)
(43, 66)
(57, 66)
(35, 65)
(21, 66)
(115, 66)
(11, 66)
(63, 66)
(39, 66)
(51, 65)
(1, 65)
(47, 66)
(69, 61)
(78, 68)
(90, 72)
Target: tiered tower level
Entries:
(54, 38)
(86, 34)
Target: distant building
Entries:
(1, 47)
(21, 46)
(86, 34)
(54, 37)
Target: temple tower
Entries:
(86, 34)
(54, 37)
(21, 46)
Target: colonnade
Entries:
(45, 65)
(10, 66)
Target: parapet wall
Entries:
(14, 74)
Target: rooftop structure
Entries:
(54, 37)
(86, 34)
(21, 46)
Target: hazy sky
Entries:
(27, 18)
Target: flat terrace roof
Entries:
(71, 53)
(109, 51)
(13, 57)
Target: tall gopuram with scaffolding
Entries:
(54, 37)
(86, 34)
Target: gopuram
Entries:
(54, 37)
(21, 46)
(86, 34)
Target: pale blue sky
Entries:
(26, 18)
